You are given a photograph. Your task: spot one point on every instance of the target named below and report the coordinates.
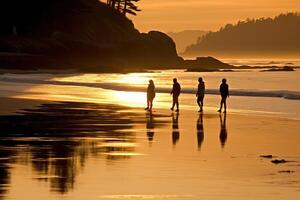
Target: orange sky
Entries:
(177, 15)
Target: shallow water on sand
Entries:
(98, 151)
(264, 93)
(86, 136)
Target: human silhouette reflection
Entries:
(223, 131)
(200, 131)
(175, 129)
(150, 126)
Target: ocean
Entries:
(251, 91)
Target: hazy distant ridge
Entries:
(264, 36)
(185, 38)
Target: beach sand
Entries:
(100, 151)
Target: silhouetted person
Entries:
(175, 92)
(223, 131)
(200, 94)
(175, 129)
(150, 95)
(150, 126)
(224, 91)
(200, 131)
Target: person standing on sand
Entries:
(224, 91)
(150, 95)
(175, 92)
(200, 93)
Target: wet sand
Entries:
(77, 150)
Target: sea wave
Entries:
(286, 94)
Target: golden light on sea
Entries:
(133, 99)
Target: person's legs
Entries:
(175, 101)
(173, 105)
(151, 104)
(147, 104)
(221, 104)
(199, 101)
(225, 106)
(202, 103)
(177, 105)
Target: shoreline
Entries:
(11, 106)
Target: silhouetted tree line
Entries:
(34, 17)
(281, 33)
(124, 6)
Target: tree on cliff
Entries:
(124, 6)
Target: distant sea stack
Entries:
(82, 34)
(206, 64)
(266, 37)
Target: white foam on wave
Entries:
(286, 94)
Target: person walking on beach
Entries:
(200, 93)
(150, 95)
(224, 91)
(175, 92)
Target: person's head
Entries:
(200, 80)
(174, 80)
(151, 82)
(224, 80)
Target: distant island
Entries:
(185, 38)
(265, 37)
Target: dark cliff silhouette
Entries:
(266, 36)
(77, 34)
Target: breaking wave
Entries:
(286, 94)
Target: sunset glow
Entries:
(206, 15)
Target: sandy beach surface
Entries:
(78, 150)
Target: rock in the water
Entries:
(286, 171)
(276, 161)
(267, 156)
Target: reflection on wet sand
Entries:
(57, 139)
(5, 154)
(200, 131)
(175, 129)
(150, 126)
(223, 130)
